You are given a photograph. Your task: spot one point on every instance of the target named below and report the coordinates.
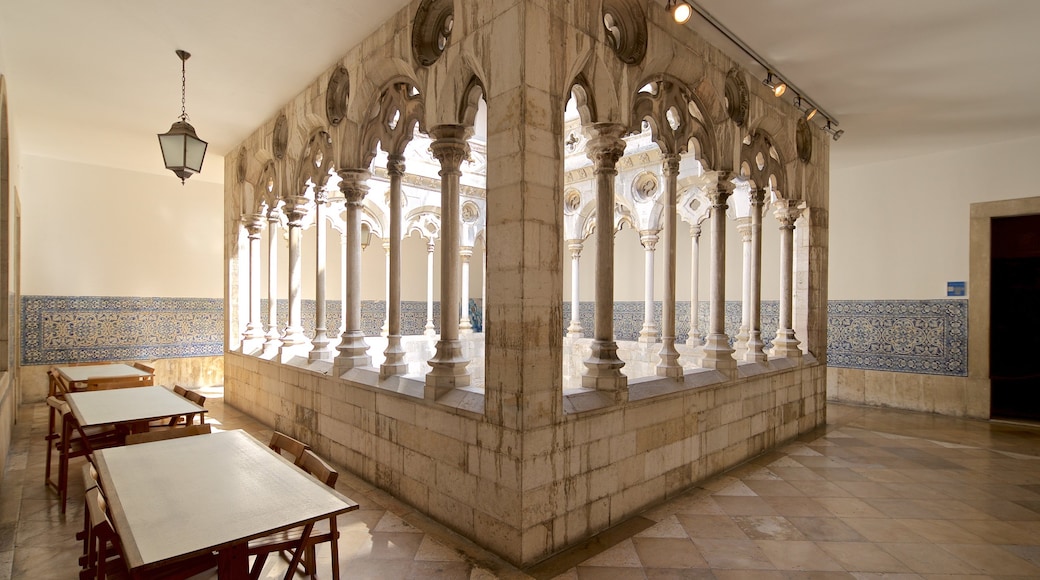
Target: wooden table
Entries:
(118, 373)
(184, 497)
(134, 406)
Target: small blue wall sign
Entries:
(956, 289)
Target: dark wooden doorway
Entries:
(1015, 318)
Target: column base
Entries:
(394, 362)
(695, 339)
(253, 345)
(448, 369)
(320, 349)
(754, 352)
(294, 336)
(785, 345)
(603, 369)
(430, 330)
(465, 327)
(353, 352)
(384, 330)
(575, 330)
(669, 365)
(648, 334)
(717, 354)
(740, 343)
(253, 332)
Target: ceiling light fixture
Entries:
(182, 149)
(681, 11)
(779, 86)
(835, 133)
(810, 112)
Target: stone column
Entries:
(575, 330)
(648, 334)
(343, 285)
(353, 350)
(431, 330)
(603, 367)
(320, 346)
(394, 363)
(254, 328)
(740, 344)
(464, 324)
(385, 329)
(717, 354)
(669, 365)
(754, 352)
(483, 290)
(449, 364)
(293, 334)
(695, 338)
(785, 345)
(273, 336)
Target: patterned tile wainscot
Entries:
(57, 329)
(907, 336)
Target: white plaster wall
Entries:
(899, 230)
(97, 231)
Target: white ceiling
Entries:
(94, 82)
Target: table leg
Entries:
(233, 562)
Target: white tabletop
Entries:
(193, 495)
(80, 374)
(128, 405)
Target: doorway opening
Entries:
(1015, 318)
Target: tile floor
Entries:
(875, 495)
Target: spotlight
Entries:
(835, 133)
(779, 87)
(681, 11)
(810, 112)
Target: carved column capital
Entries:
(254, 224)
(395, 165)
(450, 146)
(695, 231)
(575, 246)
(466, 252)
(605, 146)
(787, 211)
(648, 239)
(430, 246)
(744, 228)
(296, 210)
(757, 197)
(354, 185)
(670, 164)
(719, 194)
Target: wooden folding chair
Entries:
(75, 441)
(163, 434)
(282, 444)
(301, 541)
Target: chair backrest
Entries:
(196, 398)
(281, 442)
(57, 387)
(317, 467)
(144, 367)
(163, 434)
(179, 390)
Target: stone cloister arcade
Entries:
(381, 149)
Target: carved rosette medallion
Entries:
(336, 95)
(431, 30)
(738, 100)
(803, 140)
(280, 138)
(624, 25)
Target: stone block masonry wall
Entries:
(552, 486)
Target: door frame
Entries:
(980, 258)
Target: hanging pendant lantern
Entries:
(183, 151)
